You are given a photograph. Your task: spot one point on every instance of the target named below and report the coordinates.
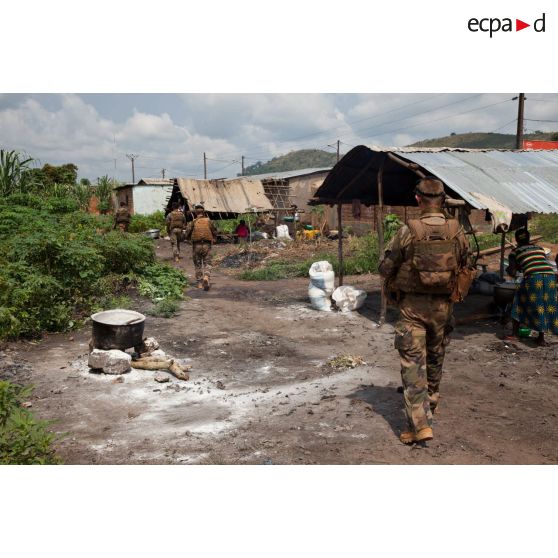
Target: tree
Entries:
(49, 175)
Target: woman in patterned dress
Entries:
(535, 303)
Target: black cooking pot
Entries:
(504, 293)
(117, 329)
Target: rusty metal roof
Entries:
(523, 181)
(285, 175)
(225, 196)
(156, 181)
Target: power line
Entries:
(438, 119)
(506, 124)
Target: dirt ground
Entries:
(261, 393)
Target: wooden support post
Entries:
(502, 255)
(383, 303)
(340, 241)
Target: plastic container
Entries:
(524, 332)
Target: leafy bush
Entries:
(159, 281)
(141, 223)
(24, 440)
(547, 226)
(392, 224)
(124, 253)
(55, 268)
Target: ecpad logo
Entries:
(492, 25)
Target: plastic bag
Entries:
(319, 299)
(322, 283)
(348, 298)
(322, 276)
(282, 231)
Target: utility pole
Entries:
(132, 158)
(520, 111)
(338, 142)
(204, 166)
(242, 172)
(163, 173)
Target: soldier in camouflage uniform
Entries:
(175, 223)
(420, 266)
(122, 217)
(202, 233)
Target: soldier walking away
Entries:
(202, 233)
(175, 223)
(422, 266)
(122, 217)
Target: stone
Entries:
(158, 353)
(150, 344)
(110, 362)
(161, 378)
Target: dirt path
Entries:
(260, 391)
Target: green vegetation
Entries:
(547, 226)
(165, 308)
(57, 264)
(142, 223)
(482, 140)
(161, 282)
(24, 440)
(14, 172)
(228, 226)
(302, 159)
(362, 257)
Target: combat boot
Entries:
(422, 435)
(205, 283)
(434, 400)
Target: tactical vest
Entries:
(202, 230)
(122, 215)
(176, 219)
(432, 259)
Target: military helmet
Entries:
(430, 186)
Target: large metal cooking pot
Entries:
(504, 293)
(117, 329)
(152, 233)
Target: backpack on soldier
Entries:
(435, 256)
(177, 219)
(201, 231)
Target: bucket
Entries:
(524, 332)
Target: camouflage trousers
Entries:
(175, 238)
(421, 336)
(201, 253)
(123, 227)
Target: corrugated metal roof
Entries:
(225, 196)
(523, 181)
(156, 181)
(286, 174)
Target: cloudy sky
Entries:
(171, 131)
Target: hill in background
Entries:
(302, 159)
(316, 158)
(483, 140)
